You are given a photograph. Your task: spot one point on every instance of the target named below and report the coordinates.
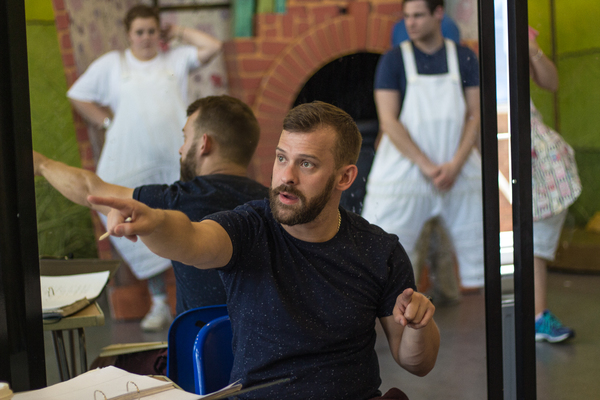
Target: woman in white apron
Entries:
(139, 98)
(555, 186)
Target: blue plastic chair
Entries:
(213, 356)
(182, 334)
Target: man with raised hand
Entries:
(305, 279)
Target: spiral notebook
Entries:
(112, 383)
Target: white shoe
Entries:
(158, 317)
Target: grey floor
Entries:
(564, 371)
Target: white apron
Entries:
(400, 199)
(142, 147)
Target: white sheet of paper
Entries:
(59, 291)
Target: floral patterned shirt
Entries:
(555, 180)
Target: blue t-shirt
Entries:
(449, 30)
(198, 198)
(307, 311)
(390, 69)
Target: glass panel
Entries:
(567, 35)
(64, 228)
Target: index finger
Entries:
(112, 202)
(406, 296)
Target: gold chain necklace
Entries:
(339, 220)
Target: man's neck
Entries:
(431, 44)
(223, 168)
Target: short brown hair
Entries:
(431, 4)
(309, 117)
(140, 11)
(231, 123)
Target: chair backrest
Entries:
(182, 334)
(213, 356)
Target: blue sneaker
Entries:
(549, 328)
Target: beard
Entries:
(187, 165)
(303, 213)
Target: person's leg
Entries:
(443, 261)
(405, 217)
(423, 250)
(146, 265)
(546, 234)
(159, 316)
(407, 222)
(539, 278)
(463, 217)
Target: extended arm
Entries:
(77, 184)
(469, 139)
(412, 334)
(387, 102)
(169, 234)
(541, 68)
(207, 45)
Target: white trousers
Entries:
(462, 215)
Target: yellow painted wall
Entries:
(40, 10)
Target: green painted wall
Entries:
(539, 19)
(63, 228)
(578, 99)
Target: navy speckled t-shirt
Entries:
(306, 310)
(198, 198)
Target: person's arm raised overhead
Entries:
(542, 70)
(77, 184)
(208, 46)
(169, 234)
(412, 334)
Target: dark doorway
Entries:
(347, 83)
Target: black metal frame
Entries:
(522, 215)
(491, 200)
(21, 335)
(520, 128)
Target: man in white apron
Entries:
(426, 165)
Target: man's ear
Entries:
(438, 12)
(347, 175)
(205, 145)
